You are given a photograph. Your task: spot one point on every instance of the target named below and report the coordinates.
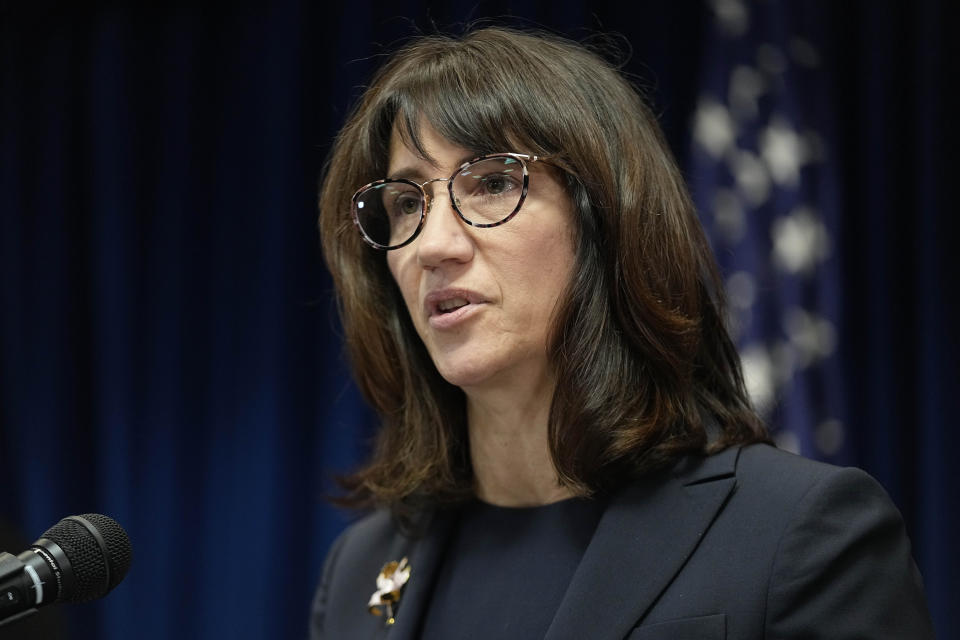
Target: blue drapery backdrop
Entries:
(169, 348)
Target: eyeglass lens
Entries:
(485, 193)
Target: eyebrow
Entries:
(416, 174)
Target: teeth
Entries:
(452, 303)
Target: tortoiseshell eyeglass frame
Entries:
(522, 158)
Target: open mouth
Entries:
(447, 308)
(451, 305)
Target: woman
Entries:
(567, 449)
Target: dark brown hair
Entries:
(644, 365)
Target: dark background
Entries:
(169, 350)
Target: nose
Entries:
(444, 237)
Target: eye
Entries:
(404, 203)
(497, 183)
(408, 205)
(494, 184)
(489, 189)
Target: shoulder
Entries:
(792, 497)
(356, 558)
(768, 462)
(365, 543)
(837, 537)
(777, 479)
(782, 473)
(349, 574)
(370, 531)
(785, 546)
(775, 494)
(773, 479)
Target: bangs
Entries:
(467, 124)
(475, 99)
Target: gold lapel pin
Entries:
(389, 585)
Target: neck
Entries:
(509, 447)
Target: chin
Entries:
(461, 377)
(464, 373)
(488, 367)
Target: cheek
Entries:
(554, 274)
(552, 258)
(405, 278)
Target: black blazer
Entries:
(750, 543)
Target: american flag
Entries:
(765, 183)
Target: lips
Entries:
(447, 307)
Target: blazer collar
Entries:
(643, 539)
(424, 555)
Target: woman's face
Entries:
(502, 283)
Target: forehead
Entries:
(435, 157)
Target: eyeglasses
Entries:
(486, 192)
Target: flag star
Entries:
(742, 289)
(800, 241)
(751, 175)
(733, 16)
(812, 337)
(728, 213)
(713, 127)
(746, 87)
(783, 152)
(758, 376)
(784, 358)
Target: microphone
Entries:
(80, 558)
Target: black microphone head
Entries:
(99, 552)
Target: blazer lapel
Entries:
(424, 555)
(643, 539)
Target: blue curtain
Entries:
(169, 348)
